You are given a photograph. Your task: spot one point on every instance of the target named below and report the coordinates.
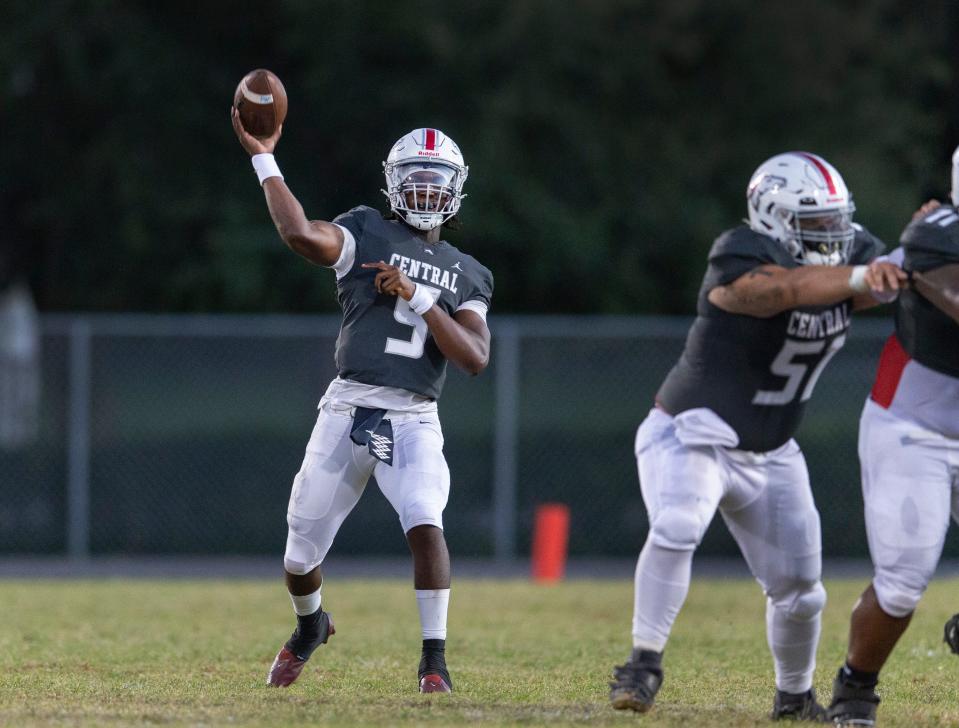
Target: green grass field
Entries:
(188, 652)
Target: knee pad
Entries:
(677, 529)
(898, 593)
(421, 513)
(301, 555)
(296, 567)
(803, 603)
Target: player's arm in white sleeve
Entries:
(318, 241)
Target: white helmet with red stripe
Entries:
(425, 172)
(801, 200)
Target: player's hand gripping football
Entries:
(391, 280)
(250, 143)
(884, 277)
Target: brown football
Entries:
(261, 100)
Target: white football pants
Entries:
(767, 504)
(335, 472)
(910, 484)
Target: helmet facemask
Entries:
(424, 194)
(819, 237)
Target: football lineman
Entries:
(410, 301)
(773, 309)
(909, 454)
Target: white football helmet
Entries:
(425, 172)
(801, 200)
(955, 178)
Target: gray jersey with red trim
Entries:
(381, 341)
(757, 373)
(927, 334)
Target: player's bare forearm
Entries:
(318, 241)
(463, 338)
(769, 289)
(941, 288)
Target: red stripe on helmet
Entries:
(430, 139)
(821, 166)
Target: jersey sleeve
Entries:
(479, 297)
(738, 251)
(483, 291)
(932, 241)
(354, 224)
(354, 220)
(865, 247)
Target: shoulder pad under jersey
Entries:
(932, 240)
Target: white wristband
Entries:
(421, 300)
(265, 166)
(857, 279)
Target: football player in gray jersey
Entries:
(773, 308)
(909, 456)
(411, 302)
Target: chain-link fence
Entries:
(181, 435)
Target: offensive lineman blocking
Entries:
(411, 301)
(909, 454)
(773, 308)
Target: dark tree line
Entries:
(608, 141)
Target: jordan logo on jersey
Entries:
(427, 272)
(819, 325)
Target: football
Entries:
(261, 100)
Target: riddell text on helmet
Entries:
(421, 153)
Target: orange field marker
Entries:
(550, 540)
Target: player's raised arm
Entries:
(769, 289)
(463, 338)
(316, 240)
(941, 288)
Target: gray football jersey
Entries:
(757, 373)
(381, 340)
(927, 334)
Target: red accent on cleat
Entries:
(285, 670)
(287, 666)
(433, 683)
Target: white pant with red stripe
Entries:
(334, 475)
(910, 485)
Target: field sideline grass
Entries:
(194, 653)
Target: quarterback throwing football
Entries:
(773, 309)
(909, 454)
(411, 302)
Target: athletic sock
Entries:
(859, 678)
(306, 603)
(660, 588)
(433, 605)
(793, 644)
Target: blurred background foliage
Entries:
(609, 141)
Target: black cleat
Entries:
(853, 703)
(637, 682)
(289, 661)
(798, 706)
(433, 675)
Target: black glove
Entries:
(951, 633)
